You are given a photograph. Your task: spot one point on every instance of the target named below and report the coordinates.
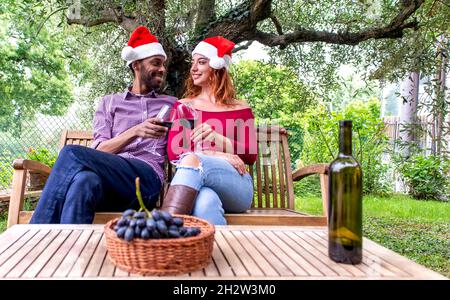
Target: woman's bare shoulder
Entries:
(241, 104)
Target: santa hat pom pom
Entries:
(217, 62)
(128, 53)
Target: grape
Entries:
(121, 232)
(151, 224)
(162, 227)
(182, 230)
(188, 232)
(129, 234)
(156, 234)
(140, 215)
(128, 212)
(137, 231)
(178, 221)
(132, 223)
(145, 234)
(159, 224)
(195, 230)
(173, 227)
(123, 222)
(166, 216)
(192, 231)
(174, 233)
(156, 215)
(141, 223)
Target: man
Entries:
(102, 178)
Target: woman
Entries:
(211, 176)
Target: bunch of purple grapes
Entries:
(155, 225)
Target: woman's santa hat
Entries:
(217, 49)
(142, 44)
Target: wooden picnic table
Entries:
(240, 252)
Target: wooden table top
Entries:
(240, 252)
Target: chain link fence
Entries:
(43, 132)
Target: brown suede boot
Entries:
(179, 200)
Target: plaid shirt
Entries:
(119, 112)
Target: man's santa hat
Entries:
(217, 49)
(142, 44)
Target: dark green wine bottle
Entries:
(345, 202)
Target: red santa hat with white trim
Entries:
(217, 49)
(142, 44)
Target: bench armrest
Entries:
(310, 170)
(31, 165)
(322, 170)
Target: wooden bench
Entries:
(272, 176)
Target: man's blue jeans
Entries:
(221, 188)
(84, 181)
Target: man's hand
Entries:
(150, 128)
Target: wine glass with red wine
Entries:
(167, 119)
(188, 116)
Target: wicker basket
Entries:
(167, 256)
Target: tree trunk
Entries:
(440, 106)
(179, 70)
(409, 92)
(205, 14)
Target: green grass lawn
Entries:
(419, 230)
(3, 220)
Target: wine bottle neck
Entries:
(345, 140)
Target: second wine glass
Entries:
(167, 119)
(189, 115)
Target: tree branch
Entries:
(395, 29)
(48, 17)
(240, 24)
(243, 47)
(277, 24)
(105, 16)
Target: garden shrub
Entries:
(427, 177)
(42, 155)
(6, 170)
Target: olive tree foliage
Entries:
(295, 30)
(385, 59)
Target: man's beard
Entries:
(149, 79)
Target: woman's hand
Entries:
(236, 162)
(233, 159)
(205, 133)
(150, 128)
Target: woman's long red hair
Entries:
(221, 85)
